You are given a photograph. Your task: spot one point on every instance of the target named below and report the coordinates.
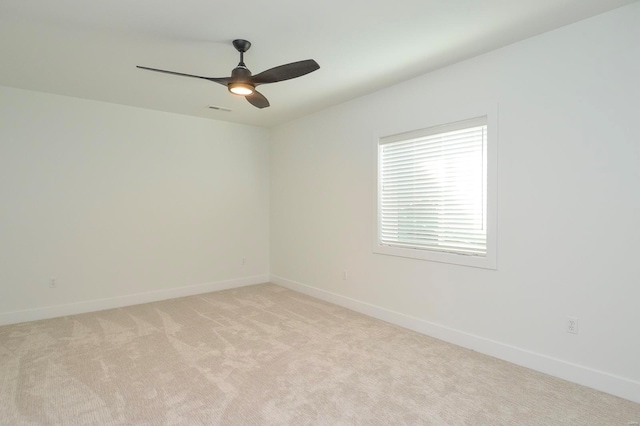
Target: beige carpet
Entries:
(264, 355)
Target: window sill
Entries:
(485, 262)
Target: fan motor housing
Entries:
(241, 74)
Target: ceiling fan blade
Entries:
(258, 100)
(221, 80)
(285, 72)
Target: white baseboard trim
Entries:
(127, 300)
(599, 380)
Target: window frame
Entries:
(489, 261)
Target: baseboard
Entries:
(599, 380)
(127, 300)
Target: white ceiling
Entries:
(89, 49)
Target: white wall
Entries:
(115, 201)
(568, 205)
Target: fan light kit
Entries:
(243, 83)
(241, 89)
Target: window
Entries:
(432, 194)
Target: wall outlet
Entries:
(53, 283)
(244, 261)
(345, 275)
(572, 325)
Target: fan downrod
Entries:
(241, 45)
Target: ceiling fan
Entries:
(242, 83)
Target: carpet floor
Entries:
(265, 355)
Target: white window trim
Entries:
(490, 260)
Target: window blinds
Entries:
(432, 189)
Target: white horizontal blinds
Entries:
(433, 189)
